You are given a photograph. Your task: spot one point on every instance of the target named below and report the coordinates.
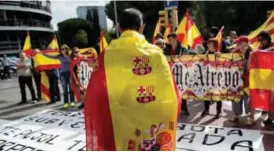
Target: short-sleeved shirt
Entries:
(25, 71)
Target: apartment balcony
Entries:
(26, 6)
(25, 25)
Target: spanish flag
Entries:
(27, 45)
(156, 31)
(88, 52)
(53, 47)
(261, 80)
(43, 63)
(125, 95)
(168, 30)
(103, 42)
(188, 34)
(219, 38)
(268, 26)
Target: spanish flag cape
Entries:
(131, 101)
(261, 80)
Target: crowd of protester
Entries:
(26, 73)
(232, 44)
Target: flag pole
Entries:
(116, 19)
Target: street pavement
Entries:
(10, 110)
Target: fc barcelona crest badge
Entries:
(145, 94)
(141, 65)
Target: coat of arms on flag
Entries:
(146, 94)
(141, 65)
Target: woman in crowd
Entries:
(243, 47)
(65, 75)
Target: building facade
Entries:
(19, 17)
(82, 12)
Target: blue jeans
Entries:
(65, 80)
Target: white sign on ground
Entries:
(209, 138)
(65, 131)
(48, 130)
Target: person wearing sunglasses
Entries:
(264, 39)
(160, 43)
(65, 60)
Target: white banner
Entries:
(49, 130)
(54, 130)
(200, 138)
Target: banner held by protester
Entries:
(207, 77)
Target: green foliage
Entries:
(241, 16)
(149, 9)
(80, 39)
(69, 28)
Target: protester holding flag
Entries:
(265, 42)
(65, 75)
(25, 78)
(237, 107)
(213, 34)
(140, 104)
(37, 77)
(75, 55)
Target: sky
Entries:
(64, 9)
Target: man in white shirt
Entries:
(25, 78)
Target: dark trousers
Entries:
(53, 84)
(184, 106)
(58, 94)
(7, 71)
(218, 107)
(37, 79)
(23, 81)
(68, 94)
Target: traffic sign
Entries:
(170, 4)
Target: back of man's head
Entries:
(131, 19)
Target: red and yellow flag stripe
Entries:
(156, 31)
(261, 80)
(116, 113)
(27, 45)
(267, 26)
(188, 33)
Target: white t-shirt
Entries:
(25, 71)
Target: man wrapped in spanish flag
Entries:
(131, 101)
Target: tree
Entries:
(69, 28)
(149, 9)
(241, 16)
(80, 39)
